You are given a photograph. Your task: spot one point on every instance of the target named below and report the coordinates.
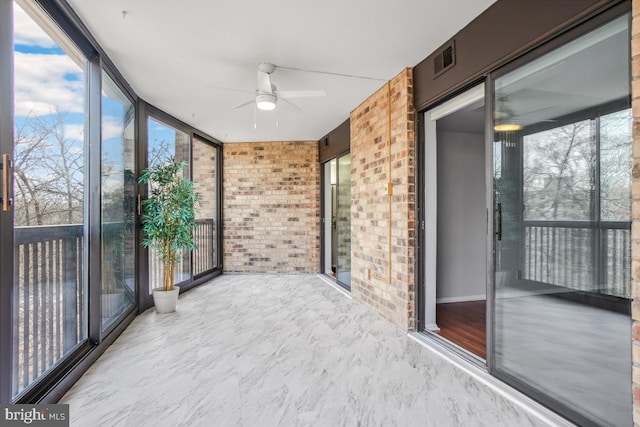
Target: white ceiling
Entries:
(176, 54)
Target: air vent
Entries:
(326, 142)
(445, 59)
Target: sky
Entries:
(48, 79)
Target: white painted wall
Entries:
(461, 259)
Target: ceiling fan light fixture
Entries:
(266, 102)
(507, 127)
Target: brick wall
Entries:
(204, 178)
(635, 207)
(395, 298)
(271, 207)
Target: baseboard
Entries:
(461, 299)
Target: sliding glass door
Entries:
(343, 221)
(50, 295)
(205, 179)
(118, 183)
(336, 231)
(167, 140)
(166, 143)
(562, 193)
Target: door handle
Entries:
(499, 221)
(6, 178)
(139, 204)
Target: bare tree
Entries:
(48, 171)
(559, 173)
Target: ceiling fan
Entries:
(507, 120)
(267, 95)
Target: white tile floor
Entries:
(278, 350)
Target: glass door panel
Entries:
(562, 219)
(329, 224)
(343, 221)
(50, 297)
(167, 143)
(204, 179)
(117, 202)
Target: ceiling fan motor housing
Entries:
(266, 67)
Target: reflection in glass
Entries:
(50, 297)
(615, 166)
(563, 220)
(166, 143)
(343, 221)
(330, 226)
(204, 180)
(117, 202)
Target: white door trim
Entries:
(431, 195)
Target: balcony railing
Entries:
(48, 298)
(204, 255)
(579, 255)
(50, 312)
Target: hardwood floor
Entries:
(464, 323)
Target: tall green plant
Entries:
(168, 219)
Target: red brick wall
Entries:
(383, 281)
(271, 207)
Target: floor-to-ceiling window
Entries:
(165, 144)
(168, 139)
(68, 199)
(49, 161)
(118, 203)
(205, 180)
(562, 175)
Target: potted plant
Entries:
(168, 222)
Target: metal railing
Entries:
(204, 255)
(49, 300)
(579, 255)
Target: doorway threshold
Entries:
(481, 373)
(334, 285)
(454, 348)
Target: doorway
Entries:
(336, 220)
(456, 215)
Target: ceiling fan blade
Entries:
(245, 104)
(291, 94)
(264, 83)
(298, 109)
(229, 89)
(533, 111)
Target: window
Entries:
(166, 143)
(117, 202)
(205, 161)
(50, 290)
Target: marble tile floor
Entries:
(279, 350)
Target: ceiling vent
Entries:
(444, 59)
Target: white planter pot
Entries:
(165, 301)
